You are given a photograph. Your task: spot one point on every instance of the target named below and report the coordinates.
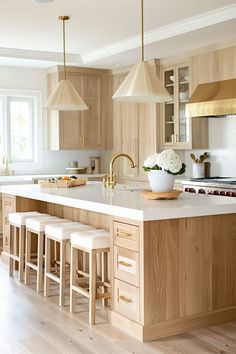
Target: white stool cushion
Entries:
(63, 231)
(19, 218)
(38, 224)
(91, 239)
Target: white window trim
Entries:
(36, 163)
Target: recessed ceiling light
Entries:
(42, 1)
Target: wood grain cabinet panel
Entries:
(126, 265)
(83, 129)
(126, 300)
(126, 235)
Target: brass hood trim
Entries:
(213, 99)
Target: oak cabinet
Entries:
(178, 131)
(83, 129)
(136, 133)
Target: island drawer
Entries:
(126, 300)
(8, 203)
(126, 235)
(126, 265)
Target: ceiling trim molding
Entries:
(190, 24)
(72, 59)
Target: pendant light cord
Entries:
(64, 47)
(142, 31)
(63, 19)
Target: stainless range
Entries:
(224, 186)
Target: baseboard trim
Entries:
(172, 327)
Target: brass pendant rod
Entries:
(142, 31)
(63, 19)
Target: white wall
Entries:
(222, 147)
(35, 79)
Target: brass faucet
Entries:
(110, 180)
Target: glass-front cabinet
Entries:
(175, 125)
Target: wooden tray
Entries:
(148, 194)
(62, 184)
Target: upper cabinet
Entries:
(91, 129)
(136, 133)
(178, 131)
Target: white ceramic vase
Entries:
(161, 181)
(198, 170)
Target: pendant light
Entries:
(142, 83)
(65, 97)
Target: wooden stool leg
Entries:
(11, 250)
(40, 262)
(15, 247)
(21, 252)
(104, 275)
(27, 255)
(62, 273)
(47, 265)
(92, 285)
(73, 275)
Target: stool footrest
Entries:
(53, 277)
(82, 273)
(31, 265)
(13, 256)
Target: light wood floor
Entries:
(29, 323)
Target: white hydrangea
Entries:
(170, 161)
(151, 161)
(167, 160)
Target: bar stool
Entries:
(93, 242)
(59, 233)
(17, 247)
(36, 226)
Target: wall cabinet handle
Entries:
(125, 264)
(125, 299)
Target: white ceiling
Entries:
(102, 33)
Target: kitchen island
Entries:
(173, 264)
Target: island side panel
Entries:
(224, 261)
(195, 267)
(161, 270)
(189, 274)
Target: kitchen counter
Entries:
(170, 259)
(27, 179)
(126, 202)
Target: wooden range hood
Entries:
(213, 99)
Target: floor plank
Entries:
(32, 324)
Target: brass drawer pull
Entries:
(125, 299)
(123, 234)
(125, 264)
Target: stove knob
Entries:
(192, 190)
(201, 191)
(223, 193)
(216, 192)
(233, 194)
(186, 189)
(228, 194)
(210, 192)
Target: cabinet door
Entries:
(91, 118)
(148, 134)
(71, 130)
(182, 91)
(169, 108)
(130, 138)
(176, 127)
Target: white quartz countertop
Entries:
(126, 203)
(25, 179)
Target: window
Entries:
(20, 124)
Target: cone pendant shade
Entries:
(65, 98)
(142, 85)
